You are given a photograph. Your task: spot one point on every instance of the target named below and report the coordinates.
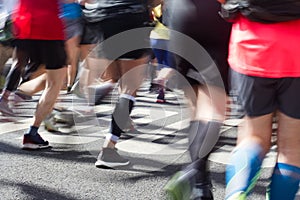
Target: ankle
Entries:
(109, 144)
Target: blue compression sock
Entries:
(284, 182)
(33, 130)
(243, 170)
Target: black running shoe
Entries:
(34, 142)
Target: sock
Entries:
(120, 116)
(243, 170)
(202, 138)
(33, 130)
(284, 182)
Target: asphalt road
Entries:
(156, 148)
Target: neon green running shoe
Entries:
(179, 186)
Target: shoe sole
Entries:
(103, 164)
(160, 101)
(30, 146)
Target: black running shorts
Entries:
(260, 96)
(100, 32)
(49, 52)
(200, 21)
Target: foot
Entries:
(180, 185)
(34, 142)
(154, 87)
(50, 124)
(5, 109)
(20, 97)
(110, 158)
(161, 96)
(65, 118)
(69, 88)
(185, 186)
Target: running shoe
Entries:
(180, 185)
(238, 196)
(161, 96)
(34, 142)
(5, 109)
(110, 158)
(154, 88)
(21, 97)
(65, 118)
(50, 124)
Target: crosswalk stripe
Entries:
(143, 145)
(12, 126)
(144, 116)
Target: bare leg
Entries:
(33, 86)
(288, 140)
(72, 48)
(84, 77)
(133, 72)
(54, 81)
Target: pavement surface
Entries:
(156, 147)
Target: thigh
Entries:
(55, 78)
